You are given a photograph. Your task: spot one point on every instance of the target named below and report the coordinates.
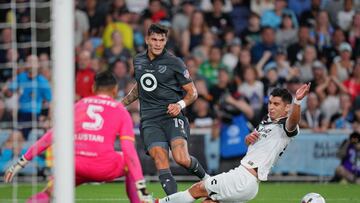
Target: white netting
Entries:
(24, 97)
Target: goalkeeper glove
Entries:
(143, 194)
(15, 168)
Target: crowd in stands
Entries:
(236, 51)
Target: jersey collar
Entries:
(278, 120)
(103, 96)
(159, 56)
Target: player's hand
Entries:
(14, 169)
(143, 194)
(174, 109)
(302, 91)
(252, 137)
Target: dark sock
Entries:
(167, 181)
(335, 179)
(196, 168)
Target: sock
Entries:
(41, 197)
(167, 181)
(180, 197)
(131, 189)
(206, 176)
(196, 168)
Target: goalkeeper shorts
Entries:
(99, 169)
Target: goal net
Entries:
(28, 89)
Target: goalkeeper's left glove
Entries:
(14, 169)
(143, 194)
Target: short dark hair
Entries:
(284, 94)
(222, 1)
(355, 135)
(158, 29)
(266, 27)
(105, 79)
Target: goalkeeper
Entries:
(98, 120)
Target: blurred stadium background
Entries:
(237, 51)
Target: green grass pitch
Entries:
(268, 192)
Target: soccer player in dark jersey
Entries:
(162, 81)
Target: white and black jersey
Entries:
(273, 140)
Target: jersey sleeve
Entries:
(292, 133)
(127, 140)
(181, 72)
(39, 146)
(289, 133)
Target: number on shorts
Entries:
(93, 113)
(178, 122)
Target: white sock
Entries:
(179, 197)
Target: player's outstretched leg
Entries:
(44, 196)
(131, 189)
(196, 191)
(41, 197)
(179, 197)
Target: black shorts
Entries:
(162, 132)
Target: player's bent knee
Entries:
(198, 190)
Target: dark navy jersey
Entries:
(159, 82)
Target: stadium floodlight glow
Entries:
(63, 72)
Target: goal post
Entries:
(63, 74)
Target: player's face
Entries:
(277, 108)
(156, 44)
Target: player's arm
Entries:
(295, 114)
(252, 137)
(131, 96)
(191, 93)
(132, 161)
(190, 96)
(37, 148)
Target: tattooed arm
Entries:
(131, 96)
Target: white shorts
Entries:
(237, 185)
